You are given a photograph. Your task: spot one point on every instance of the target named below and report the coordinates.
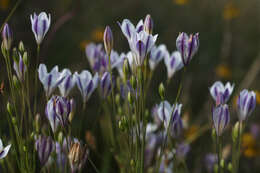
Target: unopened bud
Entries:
(162, 91)
(60, 137)
(148, 24)
(21, 47)
(9, 108)
(117, 99)
(15, 82)
(37, 122)
(230, 167)
(132, 163)
(222, 163)
(130, 98)
(108, 40)
(235, 132)
(72, 108)
(7, 37)
(126, 69)
(213, 135)
(16, 55)
(133, 82)
(24, 148)
(25, 58)
(14, 120)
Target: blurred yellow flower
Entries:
(235, 101)
(257, 93)
(83, 44)
(250, 152)
(223, 71)
(191, 131)
(180, 2)
(4, 4)
(230, 11)
(248, 140)
(97, 34)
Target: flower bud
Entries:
(162, 91)
(60, 137)
(44, 147)
(235, 132)
(130, 98)
(9, 108)
(118, 99)
(220, 116)
(230, 167)
(25, 58)
(77, 156)
(72, 109)
(133, 82)
(126, 69)
(148, 24)
(37, 122)
(108, 40)
(14, 120)
(21, 47)
(222, 163)
(7, 37)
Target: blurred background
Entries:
(229, 51)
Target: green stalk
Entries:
(36, 79)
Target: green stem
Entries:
(36, 78)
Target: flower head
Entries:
(148, 24)
(108, 40)
(156, 55)
(57, 111)
(68, 82)
(77, 156)
(20, 68)
(187, 46)
(106, 85)
(7, 37)
(4, 150)
(50, 80)
(221, 93)
(173, 63)
(86, 83)
(221, 118)
(44, 146)
(171, 117)
(40, 25)
(246, 104)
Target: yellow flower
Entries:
(192, 131)
(180, 2)
(97, 34)
(4, 4)
(223, 71)
(250, 152)
(230, 11)
(248, 140)
(257, 93)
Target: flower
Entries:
(77, 156)
(140, 42)
(44, 146)
(86, 83)
(106, 84)
(156, 55)
(220, 117)
(97, 57)
(171, 117)
(221, 93)
(50, 80)
(7, 37)
(57, 111)
(182, 150)
(210, 161)
(108, 40)
(40, 25)
(20, 68)
(148, 24)
(173, 63)
(187, 46)
(68, 82)
(246, 104)
(4, 150)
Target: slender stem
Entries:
(36, 79)
(94, 166)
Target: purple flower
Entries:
(221, 93)
(210, 161)
(246, 104)
(7, 36)
(108, 40)
(20, 68)
(68, 82)
(148, 24)
(156, 55)
(140, 42)
(221, 118)
(44, 146)
(57, 111)
(187, 46)
(97, 57)
(40, 25)
(106, 84)
(86, 83)
(182, 150)
(173, 63)
(171, 117)
(4, 150)
(50, 80)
